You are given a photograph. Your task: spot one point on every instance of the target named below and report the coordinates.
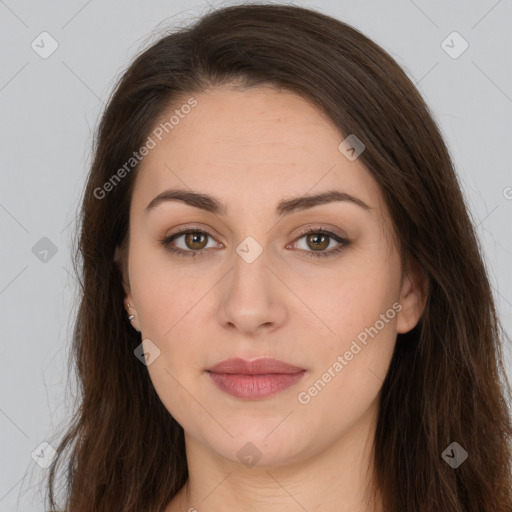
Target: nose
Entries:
(252, 297)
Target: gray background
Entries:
(50, 107)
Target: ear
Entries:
(121, 261)
(413, 297)
(129, 303)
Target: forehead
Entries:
(252, 146)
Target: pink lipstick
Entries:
(254, 379)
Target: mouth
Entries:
(256, 379)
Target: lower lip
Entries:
(255, 386)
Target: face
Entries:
(247, 280)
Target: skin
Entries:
(251, 149)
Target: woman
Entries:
(284, 305)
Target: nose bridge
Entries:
(251, 251)
(250, 276)
(251, 297)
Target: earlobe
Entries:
(132, 315)
(120, 260)
(413, 298)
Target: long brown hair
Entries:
(446, 382)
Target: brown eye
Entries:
(317, 241)
(193, 241)
(189, 242)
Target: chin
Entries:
(262, 447)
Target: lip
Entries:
(260, 366)
(254, 379)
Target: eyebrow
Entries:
(285, 207)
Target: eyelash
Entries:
(166, 242)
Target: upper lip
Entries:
(257, 367)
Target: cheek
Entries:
(166, 303)
(172, 387)
(352, 297)
(170, 309)
(358, 312)
(164, 293)
(349, 371)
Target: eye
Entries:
(193, 242)
(319, 239)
